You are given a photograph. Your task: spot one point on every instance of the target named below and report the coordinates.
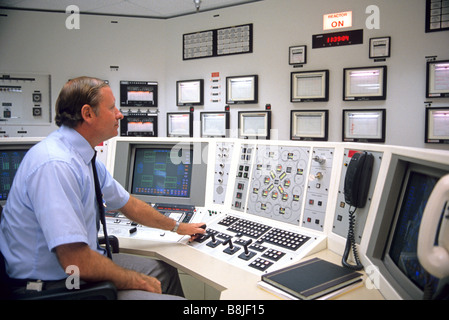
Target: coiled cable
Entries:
(350, 244)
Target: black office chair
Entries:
(104, 290)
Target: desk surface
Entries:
(233, 283)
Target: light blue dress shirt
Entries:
(52, 202)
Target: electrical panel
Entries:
(223, 159)
(25, 100)
(318, 184)
(278, 182)
(242, 177)
(341, 217)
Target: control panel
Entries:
(278, 183)
(341, 218)
(255, 244)
(223, 158)
(240, 191)
(120, 226)
(25, 105)
(318, 184)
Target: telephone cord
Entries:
(350, 243)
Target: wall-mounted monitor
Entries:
(309, 125)
(437, 84)
(180, 124)
(138, 94)
(242, 89)
(139, 125)
(214, 124)
(190, 92)
(309, 86)
(437, 125)
(367, 125)
(254, 124)
(365, 83)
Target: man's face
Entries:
(107, 116)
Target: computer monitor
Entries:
(366, 83)
(254, 124)
(139, 125)
(437, 125)
(437, 79)
(365, 125)
(138, 94)
(11, 155)
(309, 125)
(190, 92)
(179, 124)
(393, 243)
(242, 89)
(162, 171)
(214, 124)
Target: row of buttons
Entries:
(285, 239)
(249, 228)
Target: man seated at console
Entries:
(50, 220)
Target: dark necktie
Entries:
(101, 206)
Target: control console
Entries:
(120, 226)
(256, 245)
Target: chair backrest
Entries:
(3, 275)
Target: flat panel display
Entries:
(365, 83)
(309, 125)
(254, 124)
(364, 125)
(139, 125)
(308, 86)
(437, 125)
(138, 94)
(242, 89)
(179, 124)
(214, 124)
(437, 84)
(190, 92)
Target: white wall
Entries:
(150, 49)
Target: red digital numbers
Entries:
(335, 39)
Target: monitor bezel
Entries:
(199, 92)
(431, 92)
(124, 159)
(251, 99)
(323, 96)
(262, 136)
(225, 119)
(380, 112)
(324, 120)
(190, 116)
(429, 137)
(380, 95)
(388, 211)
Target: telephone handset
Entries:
(358, 178)
(356, 186)
(435, 222)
